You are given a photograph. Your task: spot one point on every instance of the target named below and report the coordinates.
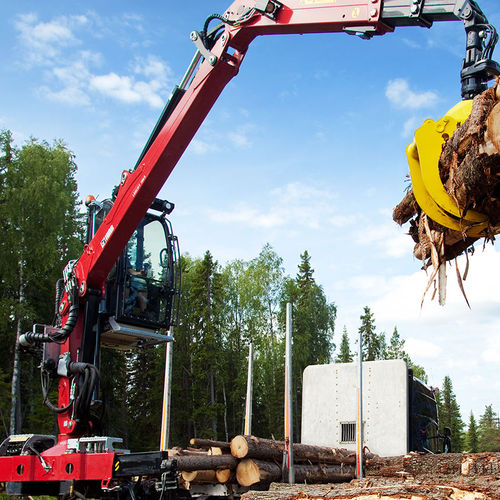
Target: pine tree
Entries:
(395, 350)
(489, 430)
(449, 415)
(472, 438)
(205, 308)
(345, 355)
(313, 327)
(305, 278)
(374, 344)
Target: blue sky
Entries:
(304, 150)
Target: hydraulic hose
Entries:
(29, 338)
(59, 294)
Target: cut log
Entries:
(254, 447)
(267, 449)
(224, 475)
(209, 443)
(252, 471)
(214, 451)
(205, 462)
(324, 473)
(452, 465)
(199, 476)
(323, 454)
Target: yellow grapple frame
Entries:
(423, 158)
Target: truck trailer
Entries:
(399, 411)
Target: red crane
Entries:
(110, 296)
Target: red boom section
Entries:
(139, 188)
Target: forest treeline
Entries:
(224, 307)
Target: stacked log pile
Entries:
(251, 461)
(413, 476)
(322, 472)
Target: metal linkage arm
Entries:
(477, 67)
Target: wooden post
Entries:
(248, 404)
(288, 452)
(167, 393)
(359, 420)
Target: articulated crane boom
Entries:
(112, 295)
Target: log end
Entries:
(188, 476)
(247, 472)
(239, 447)
(199, 476)
(223, 475)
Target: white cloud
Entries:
(51, 44)
(199, 147)
(492, 353)
(44, 40)
(126, 89)
(420, 348)
(154, 68)
(399, 93)
(410, 126)
(390, 239)
(294, 204)
(342, 220)
(73, 96)
(411, 43)
(248, 216)
(239, 139)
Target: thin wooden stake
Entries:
(167, 394)
(288, 397)
(248, 404)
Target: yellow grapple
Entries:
(423, 158)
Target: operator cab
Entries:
(143, 288)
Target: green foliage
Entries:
(449, 415)
(418, 371)
(313, 327)
(374, 344)
(489, 430)
(40, 233)
(345, 354)
(472, 437)
(395, 350)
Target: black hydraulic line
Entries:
(59, 294)
(45, 396)
(61, 335)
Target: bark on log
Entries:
(254, 447)
(451, 465)
(469, 168)
(199, 476)
(209, 443)
(205, 462)
(267, 449)
(324, 473)
(380, 489)
(252, 471)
